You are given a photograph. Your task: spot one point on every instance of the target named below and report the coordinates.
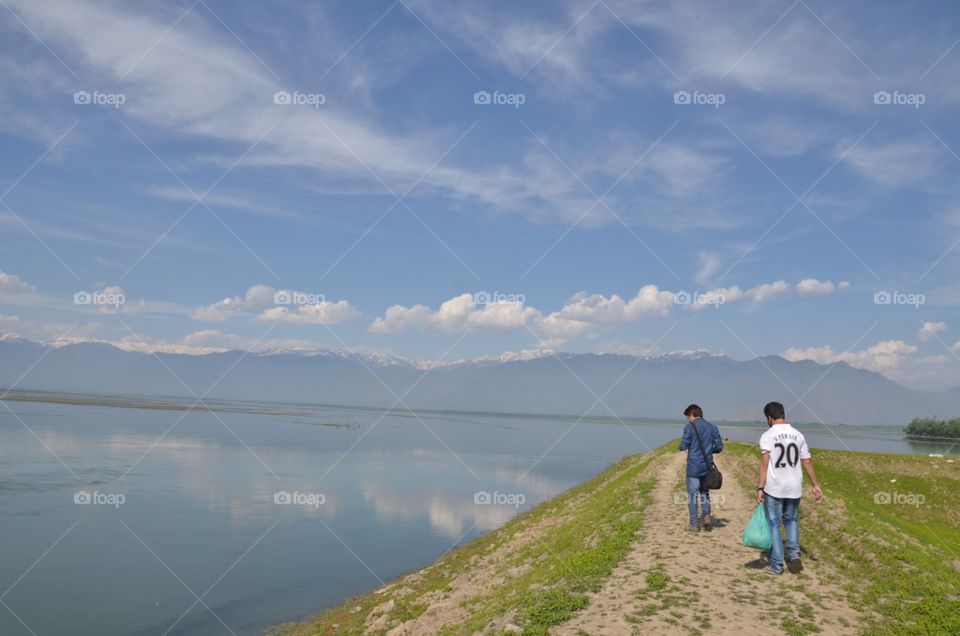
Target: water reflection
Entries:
(201, 491)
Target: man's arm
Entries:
(762, 478)
(717, 440)
(685, 439)
(812, 474)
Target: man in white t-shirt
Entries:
(783, 450)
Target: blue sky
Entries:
(782, 164)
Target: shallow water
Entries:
(185, 537)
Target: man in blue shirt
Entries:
(697, 464)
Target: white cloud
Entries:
(767, 291)
(279, 305)
(598, 309)
(455, 315)
(15, 284)
(43, 330)
(814, 287)
(883, 356)
(929, 329)
(210, 341)
(709, 264)
(322, 313)
(893, 164)
(582, 315)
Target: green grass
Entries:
(898, 560)
(545, 581)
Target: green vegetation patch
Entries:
(895, 537)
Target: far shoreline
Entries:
(266, 407)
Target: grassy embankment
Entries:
(894, 538)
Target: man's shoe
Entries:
(693, 528)
(795, 566)
(770, 570)
(707, 521)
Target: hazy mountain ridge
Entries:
(612, 384)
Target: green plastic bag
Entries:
(757, 533)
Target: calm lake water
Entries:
(187, 531)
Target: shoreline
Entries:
(596, 557)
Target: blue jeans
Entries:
(781, 510)
(694, 493)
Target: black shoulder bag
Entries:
(713, 479)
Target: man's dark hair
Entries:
(694, 410)
(774, 410)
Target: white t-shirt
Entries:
(787, 447)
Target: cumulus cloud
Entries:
(582, 315)
(767, 291)
(929, 329)
(598, 309)
(279, 305)
(883, 356)
(455, 315)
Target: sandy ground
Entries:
(673, 581)
(670, 582)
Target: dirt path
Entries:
(673, 581)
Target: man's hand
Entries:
(760, 496)
(817, 493)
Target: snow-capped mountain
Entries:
(610, 384)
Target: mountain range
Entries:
(534, 382)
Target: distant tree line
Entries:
(922, 427)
